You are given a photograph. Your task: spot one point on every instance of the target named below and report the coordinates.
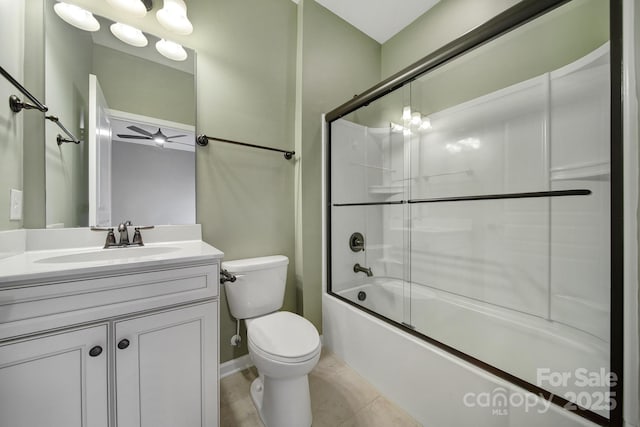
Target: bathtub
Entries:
(429, 381)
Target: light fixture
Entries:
(406, 114)
(133, 7)
(173, 16)
(406, 132)
(470, 143)
(426, 123)
(76, 16)
(416, 118)
(171, 50)
(129, 34)
(395, 127)
(453, 148)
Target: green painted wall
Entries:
(246, 92)
(33, 165)
(446, 21)
(559, 38)
(11, 124)
(337, 62)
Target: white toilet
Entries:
(283, 346)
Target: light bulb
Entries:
(76, 16)
(396, 127)
(173, 16)
(416, 118)
(406, 114)
(129, 34)
(453, 148)
(132, 7)
(426, 123)
(470, 143)
(171, 50)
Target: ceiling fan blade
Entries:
(175, 136)
(133, 136)
(181, 143)
(140, 130)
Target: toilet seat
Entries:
(284, 337)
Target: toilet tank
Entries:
(259, 286)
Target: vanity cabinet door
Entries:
(167, 368)
(56, 380)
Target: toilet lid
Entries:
(284, 335)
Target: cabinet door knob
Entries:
(124, 343)
(95, 351)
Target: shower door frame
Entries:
(512, 18)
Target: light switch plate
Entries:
(15, 211)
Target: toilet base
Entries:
(282, 402)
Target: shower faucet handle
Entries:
(356, 242)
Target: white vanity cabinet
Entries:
(130, 347)
(166, 371)
(53, 381)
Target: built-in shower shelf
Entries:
(465, 172)
(434, 230)
(376, 167)
(595, 171)
(380, 246)
(386, 189)
(391, 261)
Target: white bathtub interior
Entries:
(491, 278)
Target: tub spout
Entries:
(358, 269)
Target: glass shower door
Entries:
(510, 203)
(368, 210)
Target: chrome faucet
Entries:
(124, 232)
(123, 229)
(360, 269)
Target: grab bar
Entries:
(15, 103)
(60, 139)
(203, 141)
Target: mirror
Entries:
(134, 112)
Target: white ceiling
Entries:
(379, 19)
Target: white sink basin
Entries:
(114, 254)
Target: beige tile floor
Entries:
(339, 398)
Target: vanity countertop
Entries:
(67, 264)
(42, 263)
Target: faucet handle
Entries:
(144, 227)
(137, 236)
(95, 228)
(111, 237)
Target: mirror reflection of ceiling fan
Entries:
(159, 138)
